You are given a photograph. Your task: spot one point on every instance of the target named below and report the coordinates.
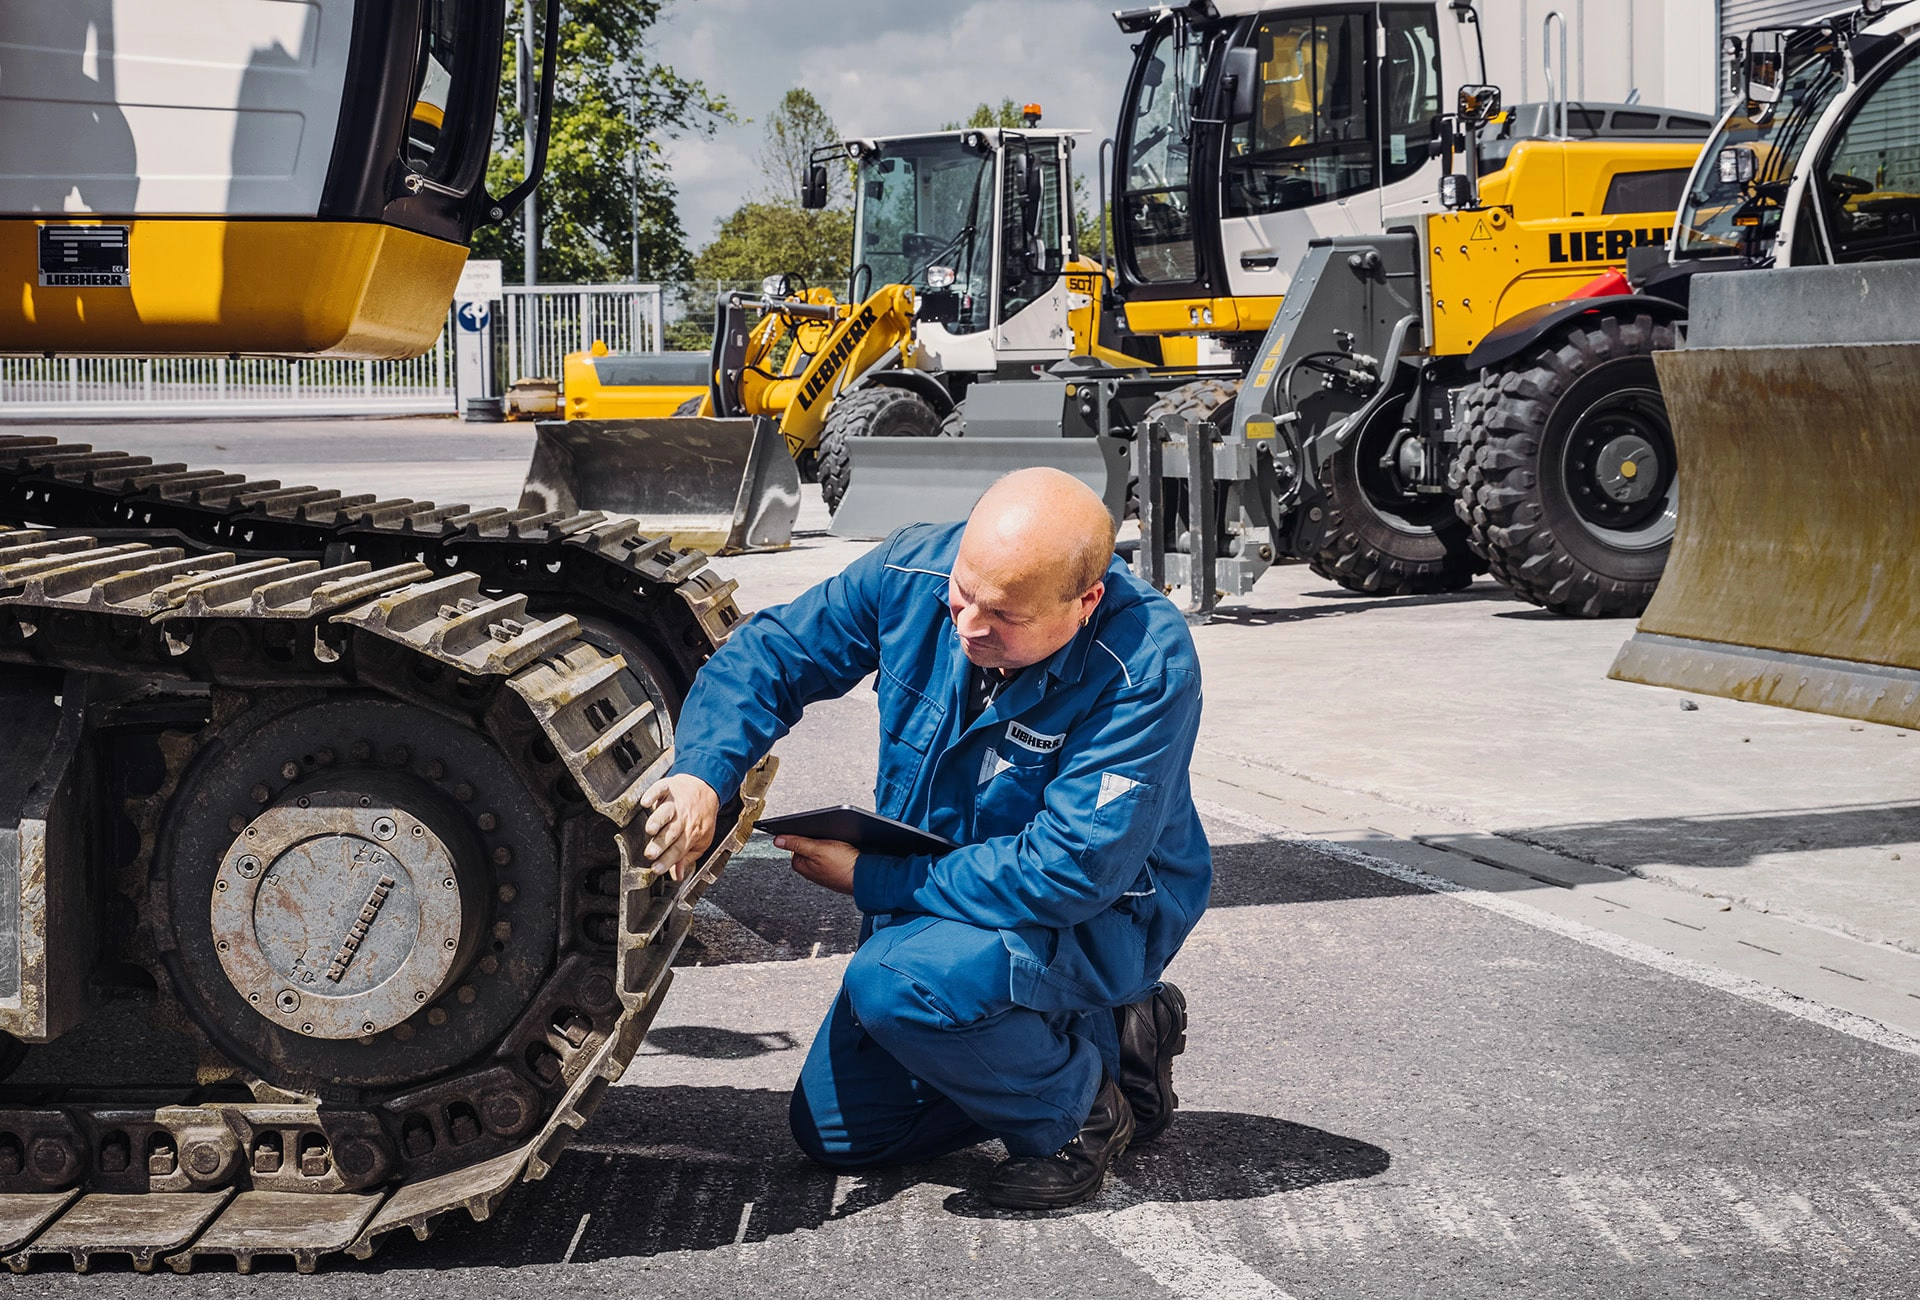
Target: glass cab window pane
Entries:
(1157, 202)
(923, 203)
(432, 148)
(1309, 139)
(1021, 283)
(1871, 181)
(1410, 82)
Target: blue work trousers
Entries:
(925, 1052)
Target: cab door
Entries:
(1338, 138)
(1030, 300)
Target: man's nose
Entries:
(969, 623)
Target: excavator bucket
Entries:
(900, 481)
(1796, 417)
(723, 486)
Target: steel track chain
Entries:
(244, 1180)
(587, 557)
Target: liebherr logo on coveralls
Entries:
(830, 366)
(1601, 245)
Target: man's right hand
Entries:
(685, 809)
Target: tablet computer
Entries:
(867, 831)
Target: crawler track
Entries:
(338, 672)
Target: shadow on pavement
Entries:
(1730, 841)
(790, 915)
(1341, 601)
(685, 1168)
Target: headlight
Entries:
(941, 277)
(774, 286)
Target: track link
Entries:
(463, 614)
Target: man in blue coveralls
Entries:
(1038, 707)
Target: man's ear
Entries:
(1090, 600)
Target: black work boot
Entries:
(1152, 1032)
(1074, 1172)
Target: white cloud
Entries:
(882, 67)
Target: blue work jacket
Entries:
(1069, 795)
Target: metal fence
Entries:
(542, 324)
(545, 322)
(40, 388)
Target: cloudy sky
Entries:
(882, 67)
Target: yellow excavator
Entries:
(322, 914)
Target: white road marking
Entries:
(746, 1217)
(1574, 1189)
(1894, 1210)
(1164, 1244)
(1845, 1022)
(578, 1233)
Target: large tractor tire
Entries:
(1566, 477)
(690, 407)
(1380, 541)
(1190, 404)
(868, 413)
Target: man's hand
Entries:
(824, 862)
(685, 809)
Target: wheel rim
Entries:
(1375, 452)
(1618, 470)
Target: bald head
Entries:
(1028, 574)
(1040, 526)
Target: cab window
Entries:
(1021, 283)
(1870, 180)
(1308, 139)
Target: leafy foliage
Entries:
(1006, 113)
(613, 113)
(762, 239)
(794, 131)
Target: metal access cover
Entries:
(339, 919)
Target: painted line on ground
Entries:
(1167, 1247)
(1845, 1022)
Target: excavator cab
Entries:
(251, 178)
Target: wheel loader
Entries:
(1344, 443)
(1249, 130)
(963, 269)
(323, 913)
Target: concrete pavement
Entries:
(1517, 981)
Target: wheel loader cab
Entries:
(266, 179)
(1243, 137)
(974, 222)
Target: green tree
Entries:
(762, 239)
(607, 177)
(794, 131)
(1006, 113)
(768, 236)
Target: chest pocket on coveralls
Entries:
(909, 721)
(1013, 782)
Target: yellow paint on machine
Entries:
(589, 399)
(1202, 315)
(1542, 234)
(258, 288)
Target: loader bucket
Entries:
(900, 481)
(1793, 576)
(722, 486)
